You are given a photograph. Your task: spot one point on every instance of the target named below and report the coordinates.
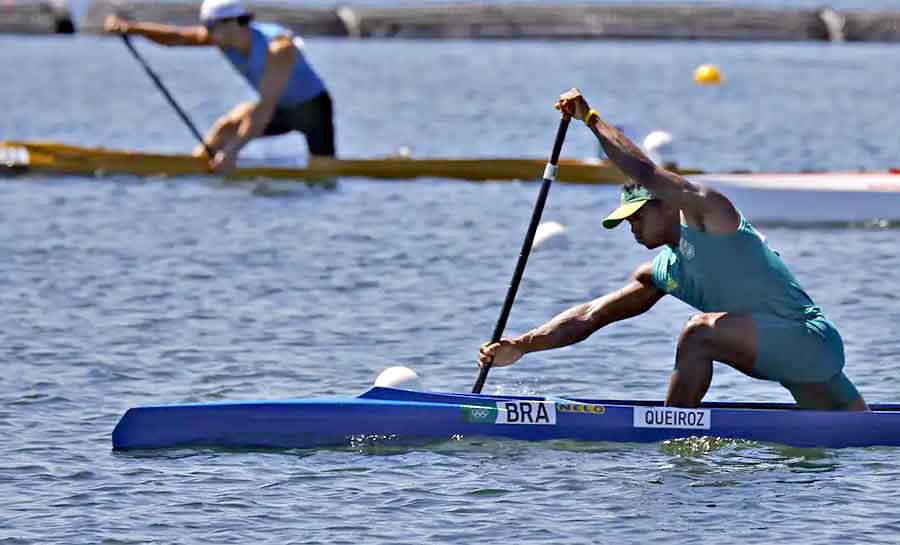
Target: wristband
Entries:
(590, 115)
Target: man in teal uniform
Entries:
(754, 316)
(292, 97)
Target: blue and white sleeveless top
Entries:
(304, 83)
(737, 272)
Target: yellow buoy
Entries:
(707, 74)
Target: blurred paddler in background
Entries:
(292, 97)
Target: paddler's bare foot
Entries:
(224, 162)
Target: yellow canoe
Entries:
(49, 157)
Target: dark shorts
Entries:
(806, 357)
(314, 118)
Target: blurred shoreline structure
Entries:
(495, 21)
(35, 17)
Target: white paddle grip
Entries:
(550, 172)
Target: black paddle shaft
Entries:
(165, 92)
(549, 176)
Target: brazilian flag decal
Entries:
(479, 414)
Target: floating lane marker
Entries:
(548, 231)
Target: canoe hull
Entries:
(50, 157)
(400, 416)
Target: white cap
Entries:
(216, 10)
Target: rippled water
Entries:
(124, 291)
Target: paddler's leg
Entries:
(838, 393)
(224, 129)
(707, 337)
(320, 138)
(806, 357)
(315, 119)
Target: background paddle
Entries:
(165, 92)
(549, 176)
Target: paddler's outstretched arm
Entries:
(161, 34)
(704, 208)
(579, 322)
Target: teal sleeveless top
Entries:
(303, 84)
(737, 272)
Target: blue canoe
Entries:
(405, 415)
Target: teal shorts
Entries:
(806, 357)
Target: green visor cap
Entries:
(632, 199)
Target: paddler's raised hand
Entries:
(115, 25)
(573, 104)
(504, 353)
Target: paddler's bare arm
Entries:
(279, 65)
(704, 208)
(579, 322)
(161, 34)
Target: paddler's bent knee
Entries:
(697, 331)
(726, 337)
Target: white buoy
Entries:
(658, 145)
(547, 231)
(399, 377)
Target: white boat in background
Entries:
(811, 197)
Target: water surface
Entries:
(122, 291)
